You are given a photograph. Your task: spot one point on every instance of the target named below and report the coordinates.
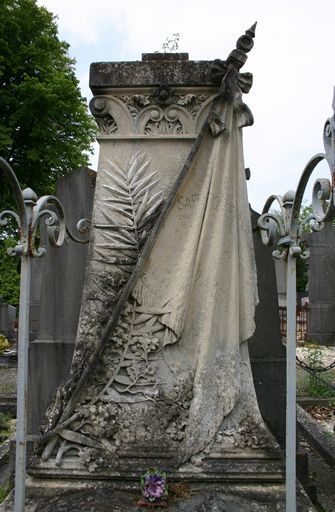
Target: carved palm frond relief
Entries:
(130, 208)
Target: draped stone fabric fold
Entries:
(202, 271)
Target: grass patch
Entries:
(7, 425)
(315, 385)
(5, 490)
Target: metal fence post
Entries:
(291, 385)
(22, 384)
(284, 229)
(31, 212)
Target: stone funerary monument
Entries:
(160, 375)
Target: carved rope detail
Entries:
(148, 115)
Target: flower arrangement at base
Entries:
(154, 489)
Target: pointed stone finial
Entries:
(236, 58)
(246, 42)
(252, 30)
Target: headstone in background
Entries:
(7, 320)
(321, 281)
(37, 272)
(267, 353)
(57, 288)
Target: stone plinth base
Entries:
(261, 466)
(69, 496)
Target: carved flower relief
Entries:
(136, 103)
(164, 95)
(110, 415)
(192, 102)
(126, 377)
(136, 339)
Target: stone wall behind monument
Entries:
(7, 320)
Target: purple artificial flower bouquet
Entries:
(154, 489)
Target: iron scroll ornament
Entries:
(286, 229)
(31, 214)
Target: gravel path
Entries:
(310, 352)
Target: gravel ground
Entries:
(327, 354)
(8, 380)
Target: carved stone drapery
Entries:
(143, 385)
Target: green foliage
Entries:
(302, 265)
(302, 275)
(317, 388)
(7, 430)
(9, 274)
(6, 423)
(4, 491)
(45, 129)
(4, 343)
(305, 212)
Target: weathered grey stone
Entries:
(37, 272)
(152, 71)
(7, 320)
(58, 283)
(280, 268)
(321, 318)
(172, 381)
(316, 435)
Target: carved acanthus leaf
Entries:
(191, 102)
(107, 125)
